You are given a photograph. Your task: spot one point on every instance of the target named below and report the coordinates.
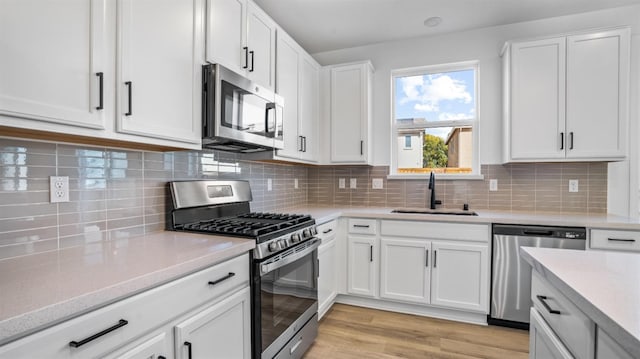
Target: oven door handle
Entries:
(268, 267)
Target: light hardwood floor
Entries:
(348, 332)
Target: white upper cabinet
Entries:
(53, 65)
(350, 94)
(566, 98)
(297, 81)
(242, 37)
(159, 78)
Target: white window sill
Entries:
(440, 176)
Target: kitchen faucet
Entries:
(432, 187)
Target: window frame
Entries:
(474, 123)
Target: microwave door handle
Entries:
(270, 106)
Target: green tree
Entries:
(434, 152)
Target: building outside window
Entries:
(435, 115)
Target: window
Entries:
(436, 107)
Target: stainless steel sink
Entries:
(454, 212)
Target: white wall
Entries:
(484, 45)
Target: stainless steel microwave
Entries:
(238, 114)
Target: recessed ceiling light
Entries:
(433, 21)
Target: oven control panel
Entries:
(283, 242)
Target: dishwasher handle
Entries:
(537, 232)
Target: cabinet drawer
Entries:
(362, 226)
(436, 230)
(543, 342)
(572, 326)
(620, 240)
(132, 317)
(327, 230)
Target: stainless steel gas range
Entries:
(284, 266)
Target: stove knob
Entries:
(295, 238)
(283, 243)
(306, 233)
(314, 231)
(273, 246)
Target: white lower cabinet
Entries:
(215, 299)
(405, 270)
(328, 274)
(222, 330)
(543, 343)
(607, 347)
(362, 265)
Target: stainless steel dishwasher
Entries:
(511, 275)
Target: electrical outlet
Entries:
(59, 189)
(341, 183)
(269, 184)
(376, 183)
(573, 185)
(295, 183)
(353, 183)
(493, 185)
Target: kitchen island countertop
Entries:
(604, 285)
(44, 289)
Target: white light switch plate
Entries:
(353, 183)
(573, 185)
(59, 189)
(269, 184)
(295, 183)
(376, 183)
(493, 185)
(341, 183)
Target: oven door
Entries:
(287, 297)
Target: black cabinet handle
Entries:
(435, 257)
(360, 226)
(129, 86)
(304, 142)
(370, 253)
(246, 57)
(427, 259)
(570, 140)
(542, 299)
(252, 56)
(161, 357)
(101, 90)
(621, 240)
(188, 345)
(562, 140)
(77, 344)
(214, 282)
(327, 231)
(361, 148)
(300, 147)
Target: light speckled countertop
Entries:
(43, 289)
(604, 285)
(325, 214)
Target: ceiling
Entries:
(324, 25)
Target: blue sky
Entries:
(443, 96)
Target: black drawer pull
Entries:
(246, 57)
(370, 253)
(101, 88)
(214, 282)
(161, 357)
(129, 96)
(327, 231)
(621, 240)
(542, 299)
(360, 226)
(76, 344)
(188, 344)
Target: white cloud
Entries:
(429, 91)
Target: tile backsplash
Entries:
(117, 193)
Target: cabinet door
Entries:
(309, 106)
(349, 113)
(459, 277)
(160, 82)
(537, 95)
(261, 40)
(362, 274)
(327, 280)
(52, 55)
(226, 34)
(405, 270)
(607, 347)
(543, 343)
(597, 88)
(287, 87)
(222, 330)
(155, 347)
